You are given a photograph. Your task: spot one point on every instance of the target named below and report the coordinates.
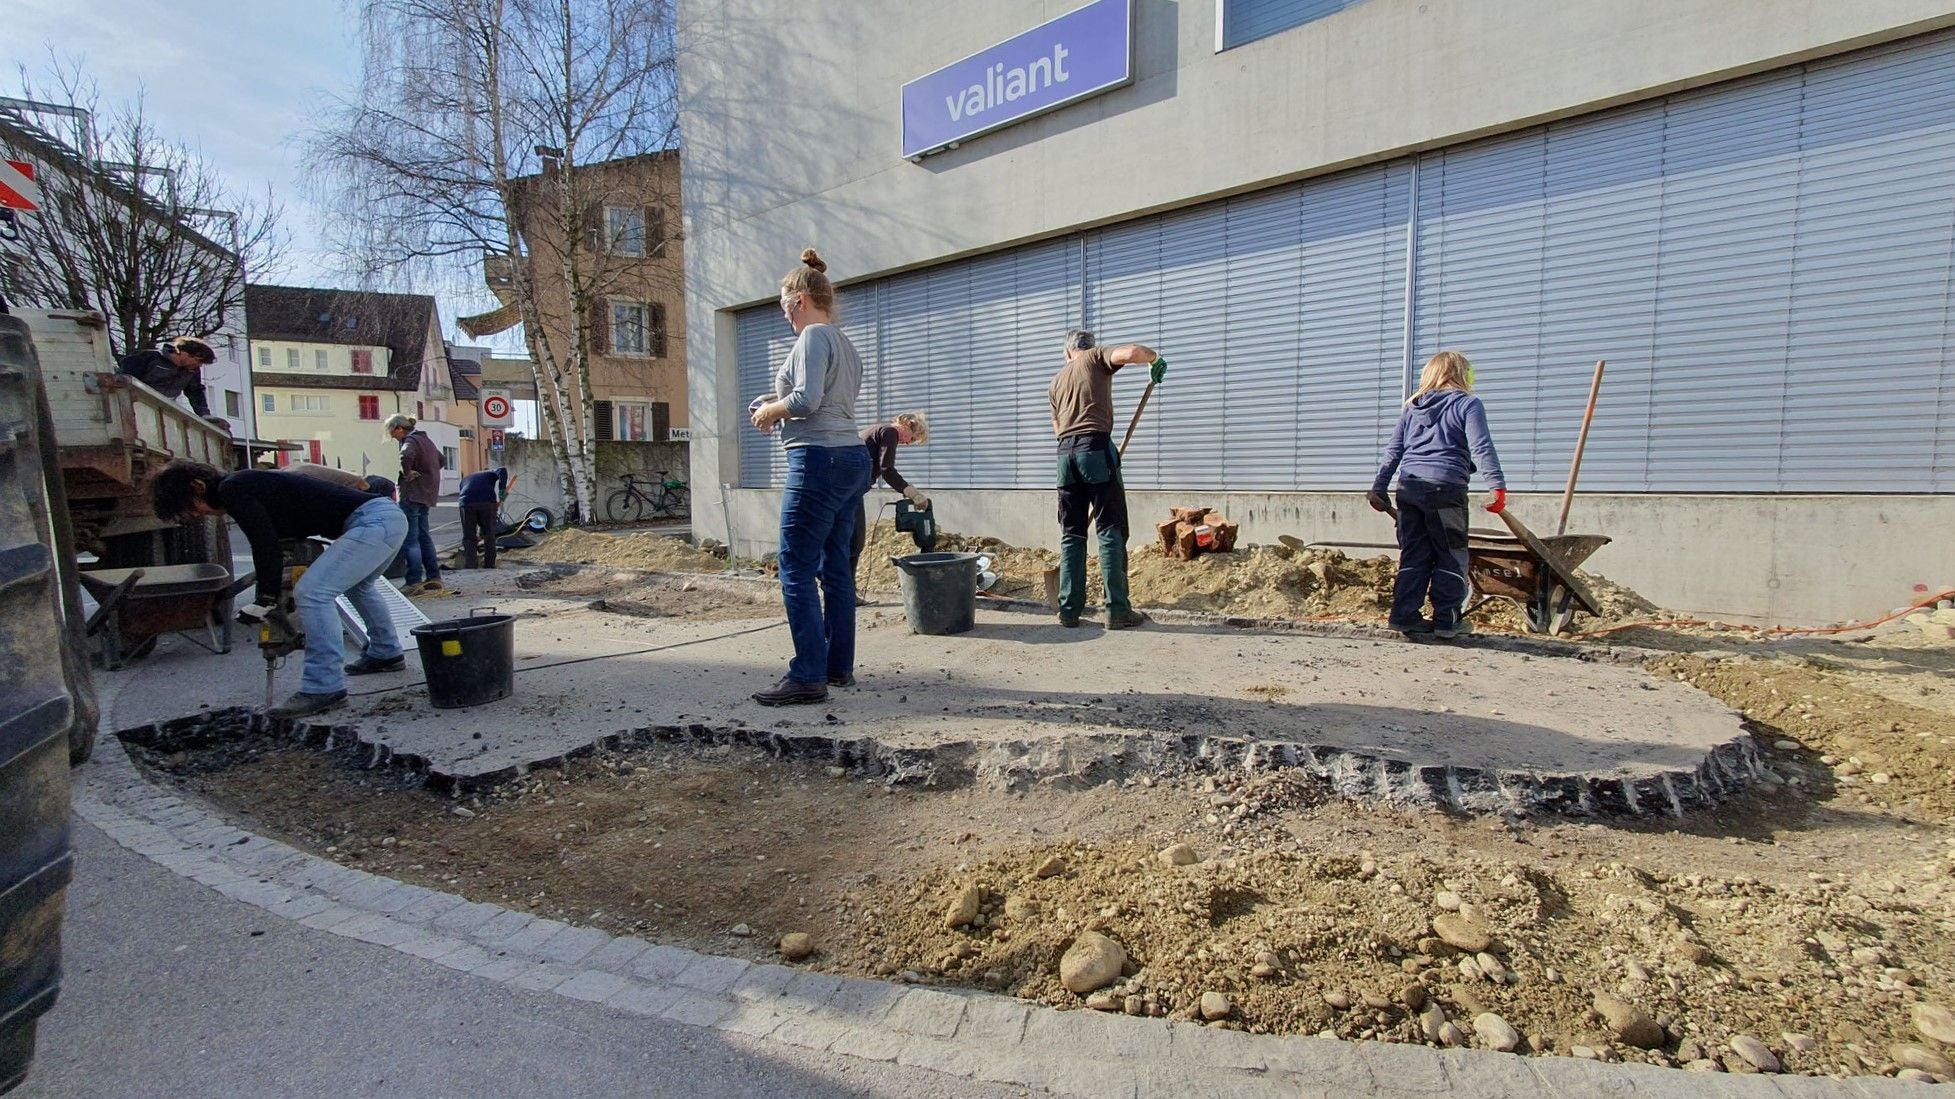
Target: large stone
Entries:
(1935, 1022)
(1921, 1057)
(1180, 855)
(1630, 1023)
(1756, 1053)
(796, 945)
(1495, 1033)
(1461, 933)
(1216, 1005)
(964, 907)
(1092, 961)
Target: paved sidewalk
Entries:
(488, 968)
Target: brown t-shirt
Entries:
(1082, 395)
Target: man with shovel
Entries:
(1089, 473)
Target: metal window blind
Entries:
(1248, 20)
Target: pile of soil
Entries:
(694, 598)
(640, 550)
(1020, 570)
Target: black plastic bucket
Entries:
(939, 591)
(468, 661)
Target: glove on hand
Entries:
(915, 496)
(1158, 370)
(1499, 501)
(253, 614)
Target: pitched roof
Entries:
(365, 318)
(462, 379)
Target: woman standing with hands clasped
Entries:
(827, 473)
(1441, 439)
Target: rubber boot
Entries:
(1072, 577)
(1113, 574)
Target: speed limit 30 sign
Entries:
(496, 408)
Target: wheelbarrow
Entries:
(137, 606)
(1536, 572)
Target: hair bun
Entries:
(809, 259)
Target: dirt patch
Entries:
(634, 550)
(698, 599)
(1800, 911)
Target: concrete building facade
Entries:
(1744, 208)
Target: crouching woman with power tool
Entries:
(366, 531)
(1441, 439)
(907, 429)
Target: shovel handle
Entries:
(1135, 422)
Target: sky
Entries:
(237, 80)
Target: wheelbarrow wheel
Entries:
(1551, 611)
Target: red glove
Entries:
(1499, 501)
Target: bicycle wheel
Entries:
(676, 503)
(625, 505)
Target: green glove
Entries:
(1158, 370)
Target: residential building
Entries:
(330, 366)
(1743, 208)
(631, 250)
(465, 378)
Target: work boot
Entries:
(1113, 576)
(1448, 632)
(790, 693)
(1070, 621)
(369, 666)
(1126, 620)
(1416, 629)
(841, 681)
(432, 585)
(305, 705)
(1072, 576)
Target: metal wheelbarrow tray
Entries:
(139, 605)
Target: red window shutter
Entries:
(369, 407)
(284, 456)
(362, 362)
(317, 455)
(420, 410)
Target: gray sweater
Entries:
(819, 382)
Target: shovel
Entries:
(1135, 422)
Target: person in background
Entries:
(1441, 440)
(420, 489)
(1081, 395)
(482, 496)
(827, 473)
(270, 507)
(175, 371)
(907, 429)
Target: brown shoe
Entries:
(433, 585)
(1127, 620)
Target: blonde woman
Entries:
(907, 429)
(1441, 440)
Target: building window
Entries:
(369, 407)
(265, 357)
(352, 322)
(268, 402)
(449, 460)
(284, 455)
(362, 362)
(634, 422)
(420, 410)
(1247, 20)
(292, 359)
(315, 453)
(655, 230)
(624, 230)
(233, 404)
(311, 404)
(319, 360)
(630, 328)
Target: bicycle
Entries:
(664, 497)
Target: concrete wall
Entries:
(793, 138)
(1795, 560)
(535, 472)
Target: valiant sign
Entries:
(1080, 54)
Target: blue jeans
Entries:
(1431, 553)
(821, 505)
(351, 566)
(421, 561)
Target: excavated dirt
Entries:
(638, 550)
(634, 594)
(1809, 916)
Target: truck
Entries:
(112, 434)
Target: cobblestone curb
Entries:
(962, 1034)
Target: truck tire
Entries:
(38, 710)
(74, 637)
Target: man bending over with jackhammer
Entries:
(366, 531)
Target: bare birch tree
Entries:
(132, 223)
(470, 141)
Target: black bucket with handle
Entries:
(939, 591)
(468, 661)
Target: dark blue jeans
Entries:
(821, 505)
(422, 564)
(1431, 553)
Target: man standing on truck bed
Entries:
(173, 371)
(270, 507)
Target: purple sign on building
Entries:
(1082, 53)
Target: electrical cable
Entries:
(588, 659)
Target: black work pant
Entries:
(861, 539)
(478, 525)
(1431, 553)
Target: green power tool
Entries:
(919, 523)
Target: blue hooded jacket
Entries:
(1441, 437)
